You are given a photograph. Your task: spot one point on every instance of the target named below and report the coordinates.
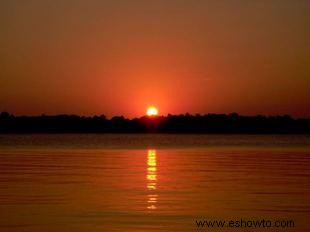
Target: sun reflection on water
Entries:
(151, 179)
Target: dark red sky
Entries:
(117, 57)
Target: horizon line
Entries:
(155, 116)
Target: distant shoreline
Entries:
(170, 124)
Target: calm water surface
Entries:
(152, 182)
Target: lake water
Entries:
(152, 182)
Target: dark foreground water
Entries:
(153, 182)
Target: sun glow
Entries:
(152, 111)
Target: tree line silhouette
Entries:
(184, 123)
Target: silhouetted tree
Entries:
(184, 123)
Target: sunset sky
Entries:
(118, 57)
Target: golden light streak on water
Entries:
(151, 178)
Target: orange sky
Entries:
(117, 57)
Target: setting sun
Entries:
(152, 111)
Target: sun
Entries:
(152, 111)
